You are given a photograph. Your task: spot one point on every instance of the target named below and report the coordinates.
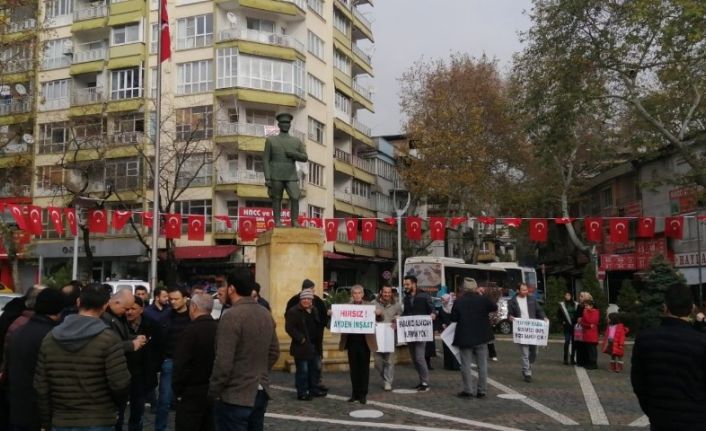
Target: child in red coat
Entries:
(614, 342)
(589, 322)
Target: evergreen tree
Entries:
(592, 286)
(629, 304)
(661, 276)
(556, 287)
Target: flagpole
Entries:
(156, 163)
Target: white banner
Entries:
(530, 331)
(412, 329)
(352, 319)
(385, 336)
(448, 338)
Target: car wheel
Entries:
(505, 327)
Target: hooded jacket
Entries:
(81, 374)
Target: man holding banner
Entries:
(523, 306)
(418, 303)
(385, 355)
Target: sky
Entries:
(409, 30)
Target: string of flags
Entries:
(29, 218)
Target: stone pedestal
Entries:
(285, 257)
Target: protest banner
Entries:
(412, 329)
(448, 338)
(385, 336)
(530, 331)
(352, 319)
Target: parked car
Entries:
(5, 298)
(499, 320)
(128, 284)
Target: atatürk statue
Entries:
(281, 153)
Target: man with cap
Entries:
(278, 160)
(22, 355)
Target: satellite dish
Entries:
(28, 138)
(4, 90)
(232, 18)
(20, 89)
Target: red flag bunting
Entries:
(120, 219)
(674, 227)
(316, 222)
(55, 217)
(437, 228)
(594, 228)
(456, 221)
(269, 223)
(70, 214)
(538, 230)
(165, 40)
(414, 228)
(225, 219)
(486, 220)
(197, 227)
(247, 228)
(646, 227)
(97, 221)
(391, 221)
(369, 229)
(352, 229)
(147, 219)
(564, 220)
(513, 222)
(619, 230)
(303, 220)
(34, 220)
(172, 226)
(331, 229)
(18, 215)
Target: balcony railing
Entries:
(364, 164)
(249, 129)
(363, 19)
(92, 54)
(257, 83)
(17, 65)
(127, 93)
(384, 203)
(301, 4)
(54, 104)
(262, 37)
(26, 24)
(342, 155)
(363, 56)
(126, 138)
(97, 10)
(361, 127)
(56, 62)
(354, 200)
(14, 106)
(241, 177)
(365, 92)
(88, 95)
(14, 148)
(340, 114)
(11, 190)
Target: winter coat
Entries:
(305, 328)
(194, 356)
(589, 322)
(470, 312)
(618, 340)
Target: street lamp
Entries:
(400, 199)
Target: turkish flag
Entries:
(594, 228)
(172, 226)
(513, 222)
(165, 41)
(225, 219)
(55, 217)
(303, 220)
(564, 220)
(352, 228)
(331, 229)
(197, 227)
(619, 230)
(486, 220)
(34, 220)
(70, 214)
(19, 216)
(414, 228)
(120, 219)
(97, 221)
(316, 222)
(391, 221)
(456, 221)
(269, 223)
(437, 228)
(369, 229)
(247, 228)
(674, 227)
(147, 219)
(538, 230)
(646, 227)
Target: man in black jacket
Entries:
(669, 368)
(524, 306)
(418, 303)
(473, 332)
(193, 363)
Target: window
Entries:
(57, 53)
(195, 31)
(128, 33)
(233, 70)
(195, 171)
(53, 137)
(50, 178)
(55, 94)
(341, 22)
(126, 83)
(154, 39)
(253, 163)
(315, 87)
(343, 103)
(259, 116)
(316, 130)
(194, 123)
(89, 129)
(316, 174)
(316, 212)
(122, 174)
(57, 8)
(232, 208)
(607, 198)
(195, 77)
(315, 45)
(317, 6)
(341, 62)
(129, 128)
(232, 162)
(385, 170)
(153, 82)
(261, 25)
(361, 189)
(195, 207)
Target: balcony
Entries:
(249, 129)
(364, 164)
(89, 54)
(342, 115)
(362, 55)
(27, 24)
(365, 92)
(355, 200)
(88, 96)
(126, 138)
(126, 93)
(15, 106)
(56, 62)
(241, 177)
(342, 155)
(10, 190)
(16, 148)
(17, 65)
(362, 128)
(301, 4)
(54, 104)
(268, 38)
(96, 10)
(363, 20)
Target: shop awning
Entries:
(204, 252)
(335, 256)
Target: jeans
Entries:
(528, 354)
(231, 417)
(479, 355)
(165, 395)
(385, 365)
(307, 376)
(416, 352)
(110, 428)
(137, 409)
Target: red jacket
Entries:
(589, 321)
(618, 340)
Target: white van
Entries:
(128, 284)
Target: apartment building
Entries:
(77, 114)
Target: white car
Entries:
(128, 284)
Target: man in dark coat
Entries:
(193, 362)
(302, 323)
(416, 302)
(524, 306)
(669, 368)
(23, 350)
(473, 332)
